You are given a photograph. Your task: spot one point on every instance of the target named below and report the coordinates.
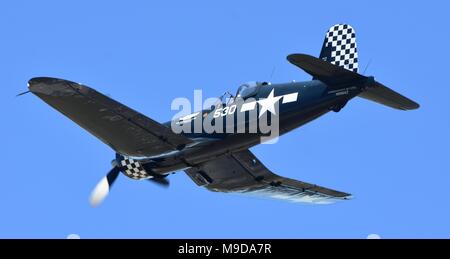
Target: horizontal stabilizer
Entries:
(324, 71)
(336, 77)
(381, 94)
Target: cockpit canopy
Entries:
(249, 89)
(244, 91)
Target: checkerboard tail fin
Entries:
(339, 47)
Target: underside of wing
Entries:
(242, 172)
(125, 130)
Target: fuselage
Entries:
(295, 104)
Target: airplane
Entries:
(222, 161)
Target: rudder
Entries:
(339, 47)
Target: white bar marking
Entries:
(248, 106)
(289, 98)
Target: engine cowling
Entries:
(133, 168)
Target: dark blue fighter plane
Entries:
(221, 160)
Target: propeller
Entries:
(103, 187)
(101, 190)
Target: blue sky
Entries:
(145, 54)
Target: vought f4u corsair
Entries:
(220, 160)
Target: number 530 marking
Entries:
(225, 111)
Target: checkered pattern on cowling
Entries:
(133, 169)
(342, 40)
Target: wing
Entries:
(242, 172)
(126, 131)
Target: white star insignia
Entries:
(268, 104)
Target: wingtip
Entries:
(415, 106)
(349, 197)
(42, 80)
(51, 86)
(296, 56)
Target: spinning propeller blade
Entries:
(101, 190)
